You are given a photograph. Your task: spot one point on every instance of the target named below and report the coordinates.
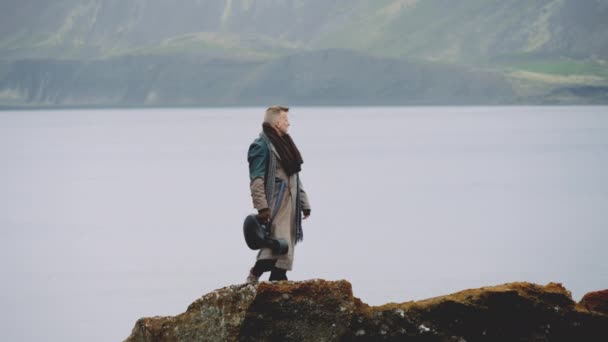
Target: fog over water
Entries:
(107, 216)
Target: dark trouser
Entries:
(265, 265)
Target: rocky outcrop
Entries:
(596, 301)
(319, 310)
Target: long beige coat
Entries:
(283, 226)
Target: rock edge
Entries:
(320, 310)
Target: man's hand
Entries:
(263, 215)
(306, 213)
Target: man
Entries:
(274, 165)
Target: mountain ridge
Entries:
(549, 51)
(427, 29)
(328, 77)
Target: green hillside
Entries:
(330, 77)
(547, 51)
(431, 29)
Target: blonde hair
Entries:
(273, 113)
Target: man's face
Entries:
(282, 124)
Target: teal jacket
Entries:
(257, 156)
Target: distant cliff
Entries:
(257, 52)
(319, 310)
(329, 77)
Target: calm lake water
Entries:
(107, 216)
